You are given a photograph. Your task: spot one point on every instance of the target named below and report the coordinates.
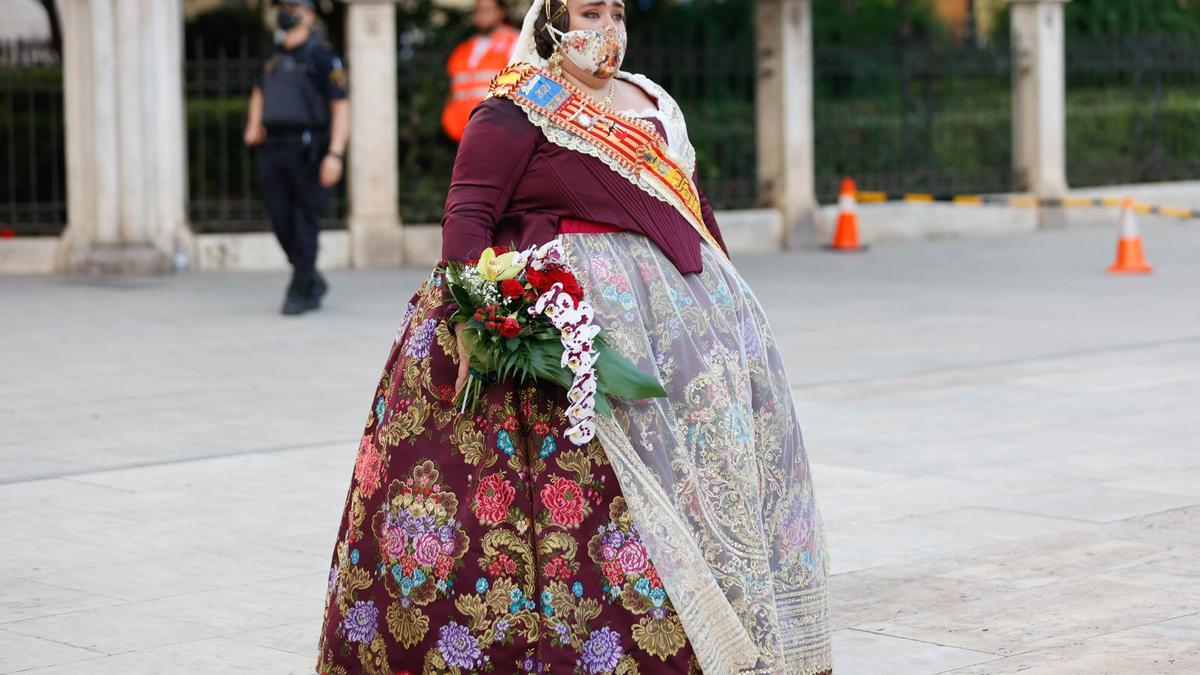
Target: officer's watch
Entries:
(340, 156)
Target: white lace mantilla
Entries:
(715, 475)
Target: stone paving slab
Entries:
(1112, 654)
(1003, 439)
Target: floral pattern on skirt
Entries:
(488, 542)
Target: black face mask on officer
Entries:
(287, 20)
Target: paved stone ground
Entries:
(1004, 441)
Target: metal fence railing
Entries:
(222, 172)
(32, 164)
(714, 86)
(1133, 110)
(919, 117)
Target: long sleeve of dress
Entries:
(495, 149)
(710, 220)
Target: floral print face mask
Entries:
(598, 52)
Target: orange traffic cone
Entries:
(1130, 257)
(845, 238)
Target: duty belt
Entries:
(295, 136)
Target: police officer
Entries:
(300, 119)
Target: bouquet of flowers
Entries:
(522, 315)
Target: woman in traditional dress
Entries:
(685, 536)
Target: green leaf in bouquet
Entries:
(462, 298)
(618, 376)
(545, 362)
(603, 406)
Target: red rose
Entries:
(511, 288)
(500, 250)
(544, 280)
(541, 428)
(492, 500)
(539, 280)
(564, 500)
(510, 328)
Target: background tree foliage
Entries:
(1125, 17)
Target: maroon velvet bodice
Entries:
(511, 186)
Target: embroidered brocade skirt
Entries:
(490, 543)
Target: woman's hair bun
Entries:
(555, 13)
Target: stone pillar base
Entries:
(117, 259)
(376, 242)
(1052, 218)
(805, 228)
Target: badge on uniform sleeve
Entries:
(338, 74)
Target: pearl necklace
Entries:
(612, 91)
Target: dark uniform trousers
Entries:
(289, 168)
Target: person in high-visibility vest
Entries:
(475, 62)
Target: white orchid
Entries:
(577, 333)
(582, 433)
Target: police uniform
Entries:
(297, 88)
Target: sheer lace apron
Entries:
(715, 475)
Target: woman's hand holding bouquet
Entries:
(523, 315)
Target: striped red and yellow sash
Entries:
(631, 147)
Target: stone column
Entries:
(123, 94)
(376, 238)
(168, 129)
(786, 164)
(1039, 106)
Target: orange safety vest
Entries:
(472, 66)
